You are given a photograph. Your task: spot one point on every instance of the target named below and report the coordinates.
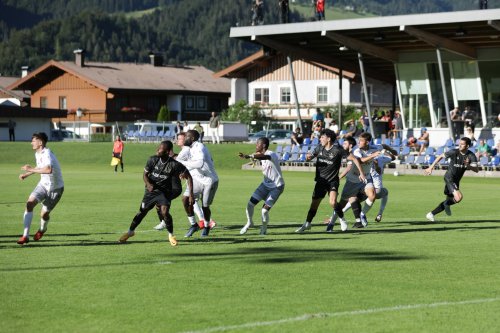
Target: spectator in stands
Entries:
(469, 117)
(397, 125)
(456, 120)
(334, 127)
(423, 140)
(320, 10)
(496, 150)
(317, 116)
(412, 143)
(388, 120)
(186, 126)
(469, 133)
(284, 12)
(198, 128)
(351, 129)
(297, 138)
(364, 119)
(328, 120)
(483, 149)
(317, 130)
(178, 128)
(483, 4)
(258, 12)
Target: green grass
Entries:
(79, 279)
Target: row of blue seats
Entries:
(149, 136)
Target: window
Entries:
(285, 95)
(62, 103)
(201, 102)
(322, 95)
(43, 102)
(153, 104)
(261, 95)
(190, 103)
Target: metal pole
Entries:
(341, 76)
(445, 95)
(292, 78)
(365, 90)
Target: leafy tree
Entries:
(244, 113)
(164, 114)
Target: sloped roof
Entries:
(6, 81)
(127, 76)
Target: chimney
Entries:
(79, 57)
(156, 59)
(25, 71)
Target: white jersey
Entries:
(50, 181)
(272, 171)
(183, 156)
(201, 161)
(353, 174)
(382, 160)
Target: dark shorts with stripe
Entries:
(156, 197)
(322, 188)
(450, 186)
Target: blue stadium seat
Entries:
(410, 159)
(439, 151)
(429, 151)
(285, 157)
(304, 149)
(420, 160)
(449, 143)
(315, 142)
(490, 142)
(484, 162)
(295, 149)
(279, 149)
(495, 162)
(307, 141)
(405, 151)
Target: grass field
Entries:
(401, 275)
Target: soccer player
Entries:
(157, 177)
(460, 160)
(177, 188)
(329, 158)
(271, 187)
(206, 177)
(49, 189)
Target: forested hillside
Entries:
(184, 32)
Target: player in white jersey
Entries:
(206, 177)
(271, 187)
(48, 191)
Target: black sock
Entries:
(311, 214)
(356, 209)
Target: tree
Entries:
(164, 114)
(251, 115)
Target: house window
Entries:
(43, 102)
(201, 102)
(285, 95)
(62, 103)
(190, 103)
(322, 94)
(261, 95)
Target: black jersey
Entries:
(328, 162)
(456, 165)
(162, 174)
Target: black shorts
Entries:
(174, 193)
(450, 186)
(151, 199)
(322, 188)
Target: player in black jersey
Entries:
(460, 160)
(158, 174)
(329, 156)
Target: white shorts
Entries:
(269, 194)
(49, 199)
(206, 190)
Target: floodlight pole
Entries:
(292, 78)
(445, 95)
(365, 90)
(341, 76)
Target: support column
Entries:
(292, 78)
(365, 90)
(445, 95)
(341, 77)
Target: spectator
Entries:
(317, 130)
(186, 126)
(284, 11)
(351, 129)
(178, 128)
(469, 117)
(456, 122)
(398, 125)
(483, 4)
(317, 116)
(496, 149)
(365, 120)
(469, 133)
(320, 10)
(328, 120)
(258, 12)
(297, 138)
(388, 123)
(334, 127)
(198, 128)
(483, 149)
(213, 128)
(423, 140)
(12, 130)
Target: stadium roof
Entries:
(383, 41)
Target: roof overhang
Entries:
(28, 112)
(381, 40)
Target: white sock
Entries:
(367, 206)
(265, 216)
(347, 207)
(198, 211)
(249, 211)
(27, 218)
(43, 225)
(191, 220)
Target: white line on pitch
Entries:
(343, 313)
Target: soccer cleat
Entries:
(212, 224)
(343, 224)
(245, 228)
(201, 224)
(263, 229)
(38, 235)
(364, 221)
(126, 236)
(172, 240)
(358, 225)
(329, 227)
(205, 232)
(23, 240)
(430, 217)
(378, 218)
(304, 227)
(447, 209)
(160, 226)
(194, 228)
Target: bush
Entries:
(101, 137)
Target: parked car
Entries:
(279, 136)
(61, 135)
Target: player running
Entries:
(460, 160)
(271, 187)
(329, 159)
(49, 189)
(157, 176)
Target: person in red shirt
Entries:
(320, 10)
(118, 151)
